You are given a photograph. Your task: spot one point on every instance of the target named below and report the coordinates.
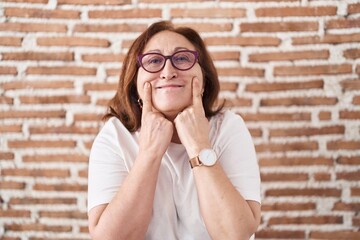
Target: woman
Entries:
(168, 164)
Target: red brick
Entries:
(229, 86)
(342, 23)
(285, 147)
(319, 192)
(37, 227)
(12, 185)
(356, 221)
(27, 1)
(354, 160)
(306, 131)
(284, 86)
(350, 84)
(243, 41)
(12, 213)
(276, 116)
(240, 71)
(6, 100)
(41, 143)
(71, 158)
(355, 191)
(279, 27)
(288, 56)
(208, 27)
(94, 2)
(349, 176)
(37, 85)
(63, 214)
(354, 8)
(324, 115)
(6, 155)
(343, 144)
(113, 72)
(208, 12)
(10, 129)
(8, 70)
(38, 56)
(298, 101)
(41, 13)
(313, 220)
(355, 115)
(327, 39)
(33, 27)
(55, 99)
(52, 173)
(343, 206)
(295, 11)
(66, 187)
(73, 42)
(295, 161)
(356, 100)
(352, 53)
(32, 114)
(289, 177)
(232, 102)
(117, 28)
(63, 130)
(280, 234)
(11, 41)
(83, 173)
(107, 57)
(69, 70)
(88, 117)
(322, 176)
(334, 234)
(225, 56)
(312, 70)
(126, 13)
(42, 201)
(288, 206)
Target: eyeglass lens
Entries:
(182, 60)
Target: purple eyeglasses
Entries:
(154, 62)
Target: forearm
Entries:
(226, 213)
(128, 215)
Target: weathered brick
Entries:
(32, 114)
(6, 155)
(312, 70)
(8, 70)
(208, 27)
(103, 57)
(12, 185)
(334, 234)
(73, 42)
(11, 41)
(343, 144)
(306, 220)
(232, 102)
(342, 23)
(288, 56)
(355, 115)
(349, 176)
(41, 143)
(352, 53)
(55, 158)
(41, 13)
(350, 84)
(295, 11)
(276, 116)
(322, 176)
(208, 13)
(33, 27)
(124, 27)
(37, 84)
(275, 177)
(280, 234)
(93, 2)
(126, 13)
(60, 187)
(27, 1)
(10, 128)
(228, 86)
(13, 213)
(37, 227)
(284, 147)
(63, 130)
(324, 115)
(356, 100)
(39, 56)
(327, 39)
(42, 201)
(354, 8)
(49, 173)
(299, 101)
(225, 56)
(308, 131)
(6, 100)
(343, 206)
(63, 214)
(240, 71)
(243, 41)
(355, 160)
(319, 192)
(284, 86)
(55, 99)
(279, 27)
(295, 161)
(288, 206)
(69, 70)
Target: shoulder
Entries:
(226, 118)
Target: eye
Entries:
(152, 59)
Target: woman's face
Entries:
(171, 87)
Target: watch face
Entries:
(208, 157)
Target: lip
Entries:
(169, 86)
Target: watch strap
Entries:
(195, 162)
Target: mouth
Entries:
(169, 86)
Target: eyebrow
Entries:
(158, 50)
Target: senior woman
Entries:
(169, 163)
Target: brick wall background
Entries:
(289, 67)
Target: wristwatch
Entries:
(206, 157)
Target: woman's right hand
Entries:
(156, 131)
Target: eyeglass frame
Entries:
(141, 56)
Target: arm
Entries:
(128, 214)
(227, 215)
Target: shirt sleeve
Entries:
(237, 156)
(107, 168)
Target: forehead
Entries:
(167, 42)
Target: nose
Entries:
(168, 72)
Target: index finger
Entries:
(147, 103)
(196, 93)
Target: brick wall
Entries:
(289, 67)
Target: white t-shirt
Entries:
(176, 212)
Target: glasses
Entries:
(155, 62)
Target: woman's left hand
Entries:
(191, 124)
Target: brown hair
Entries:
(124, 105)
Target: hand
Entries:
(192, 125)
(156, 131)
